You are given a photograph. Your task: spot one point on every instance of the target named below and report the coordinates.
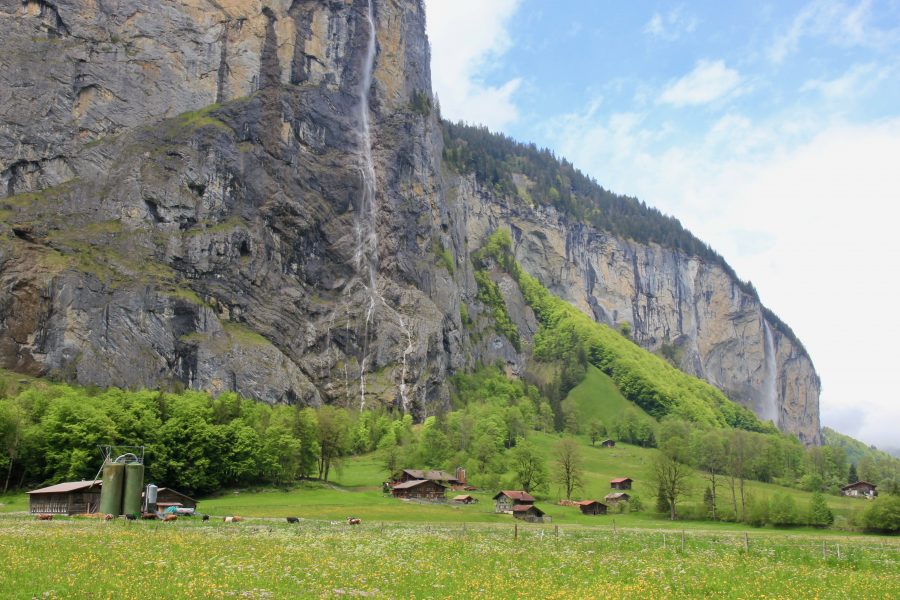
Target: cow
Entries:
(234, 519)
(108, 517)
(44, 517)
(149, 516)
(293, 520)
(130, 517)
(354, 521)
(206, 517)
(169, 518)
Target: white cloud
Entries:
(670, 26)
(842, 24)
(709, 81)
(803, 204)
(467, 38)
(858, 81)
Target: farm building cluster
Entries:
(427, 485)
(83, 497)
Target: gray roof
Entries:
(68, 486)
(432, 475)
(415, 482)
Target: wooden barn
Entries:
(530, 513)
(70, 498)
(608, 444)
(860, 489)
(418, 475)
(592, 507)
(620, 483)
(617, 497)
(166, 497)
(424, 489)
(465, 499)
(505, 500)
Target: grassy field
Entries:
(598, 398)
(317, 559)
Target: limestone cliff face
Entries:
(180, 187)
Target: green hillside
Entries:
(597, 398)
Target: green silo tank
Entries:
(111, 491)
(134, 485)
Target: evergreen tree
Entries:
(852, 477)
(819, 513)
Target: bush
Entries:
(819, 513)
(883, 515)
(783, 511)
(757, 511)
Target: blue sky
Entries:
(771, 130)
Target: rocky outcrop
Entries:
(180, 206)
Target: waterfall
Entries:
(769, 405)
(366, 254)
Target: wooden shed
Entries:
(506, 499)
(465, 499)
(620, 483)
(860, 489)
(530, 513)
(608, 444)
(419, 488)
(166, 497)
(70, 498)
(592, 507)
(617, 497)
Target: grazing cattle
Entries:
(354, 521)
(149, 516)
(206, 517)
(130, 517)
(108, 517)
(293, 520)
(234, 519)
(169, 518)
(43, 517)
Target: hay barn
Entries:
(69, 498)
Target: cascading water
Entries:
(769, 405)
(366, 254)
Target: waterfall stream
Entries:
(366, 253)
(769, 405)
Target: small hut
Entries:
(506, 499)
(424, 489)
(69, 498)
(617, 497)
(465, 499)
(530, 513)
(166, 497)
(608, 444)
(620, 483)
(860, 489)
(592, 507)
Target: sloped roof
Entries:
(589, 502)
(431, 475)
(463, 497)
(620, 480)
(616, 496)
(176, 492)
(415, 482)
(515, 495)
(69, 486)
(857, 484)
(521, 508)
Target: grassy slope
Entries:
(598, 398)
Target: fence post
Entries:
(746, 542)
(682, 540)
(515, 531)
(839, 551)
(664, 540)
(824, 551)
(614, 527)
(556, 531)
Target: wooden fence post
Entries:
(664, 540)
(824, 551)
(515, 531)
(556, 531)
(746, 542)
(682, 540)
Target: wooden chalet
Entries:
(860, 489)
(591, 507)
(434, 475)
(70, 498)
(166, 497)
(505, 500)
(465, 499)
(616, 497)
(425, 489)
(620, 483)
(530, 513)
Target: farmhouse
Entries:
(166, 497)
(70, 498)
(530, 513)
(620, 483)
(506, 499)
(860, 489)
(608, 444)
(442, 476)
(616, 497)
(465, 499)
(419, 488)
(592, 507)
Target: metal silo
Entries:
(111, 491)
(134, 485)
(152, 490)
